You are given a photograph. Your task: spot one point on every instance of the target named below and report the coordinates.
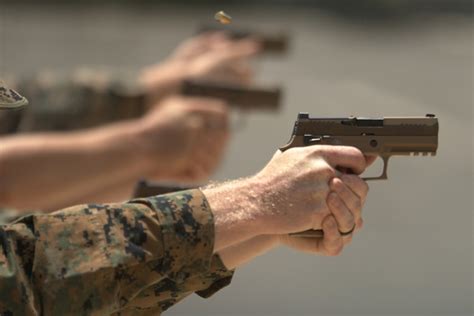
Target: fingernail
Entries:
(337, 182)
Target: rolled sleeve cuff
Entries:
(218, 277)
(187, 229)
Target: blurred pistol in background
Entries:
(145, 188)
(271, 43)
(238, 96)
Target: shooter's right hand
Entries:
(184, 138)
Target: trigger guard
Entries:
(383, 176)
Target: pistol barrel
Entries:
(271, 43)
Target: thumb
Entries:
(342, 157)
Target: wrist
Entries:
(161, 80)
(235, 208)
(271, 241)
(147, 148)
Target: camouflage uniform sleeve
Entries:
(8, 215)
(161, 296)
(78, 101)
(106, 259)
(11, 109)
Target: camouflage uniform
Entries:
(85, 99)
(14, 102)
(136, 258)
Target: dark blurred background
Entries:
(370, 58)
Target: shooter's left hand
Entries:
(210, 56)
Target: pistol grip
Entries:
(311, 233)
(383, 176)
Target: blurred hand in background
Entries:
(210, 56)
(184, 138)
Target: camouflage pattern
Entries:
(136, 258)
(11, 109)
(10, 99)
(85, 99)
(8, 215)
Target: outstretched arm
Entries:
(298, 190)
(107, 258)
(92, 97)
(173, 142)
(53, 170)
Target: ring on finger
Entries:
(348, 232)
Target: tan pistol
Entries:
(383, 137)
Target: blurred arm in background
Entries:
(91, 97)
(210, 56)
(65, 164)
(181, 139)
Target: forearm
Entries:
(232, 256)
(160, 80)
(233, 222)
(236, 215)
(52, 170)
(116, 192)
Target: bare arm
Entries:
(119, 191)
(57, 170)
(53, 170)
(298, 190)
